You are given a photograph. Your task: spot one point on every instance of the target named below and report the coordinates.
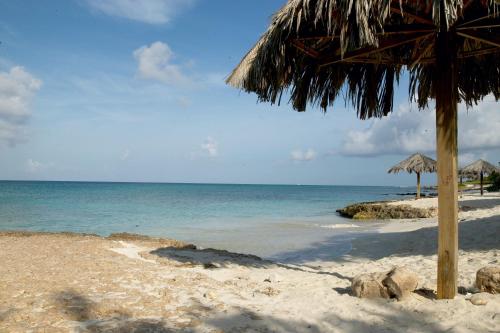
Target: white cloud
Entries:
(303, 156)
(147, 11)
(407, 131)
(155, 63)
(17, 88)
(210, 146)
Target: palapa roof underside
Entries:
(317, 49)
(417, 163)
(477, 167)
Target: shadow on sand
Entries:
(78, 308)
(84, 314)
(486, 203)
(208, 258)
(214, 259)
(479, 235)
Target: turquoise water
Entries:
(261, 219)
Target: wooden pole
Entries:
(481, 181)
(446, 134)
(418, 185)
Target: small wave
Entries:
(337, 226)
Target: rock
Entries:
(479, 299)
(473, 290)
(369, 286)
(380, 210)
(400, 282)
(488, 279)
(397, 283)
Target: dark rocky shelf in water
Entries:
(384, 211)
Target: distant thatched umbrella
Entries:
(318, 49)
(417, 163)
(479, 168)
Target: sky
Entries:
(124, 90)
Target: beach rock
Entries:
(400, 282)
(380, 211)
(479, 299)
(397, 283)
(369, 286)
(488, 279)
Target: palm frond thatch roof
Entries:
(315, 50)
(417, 163)
(479, 166)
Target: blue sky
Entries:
(123, 90)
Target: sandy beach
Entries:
(85, 283)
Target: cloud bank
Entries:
(146, 11)
(408, 130)
(17, 89)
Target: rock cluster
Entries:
(377, 211)
(397, 283)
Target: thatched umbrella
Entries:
(317, 49)
(417, 163)
(479, 168)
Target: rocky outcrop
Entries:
(397, 283)
(488, 279)
(380, 211)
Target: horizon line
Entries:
(188, 183)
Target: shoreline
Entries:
(62, 282)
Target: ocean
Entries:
(281, 222)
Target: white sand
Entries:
(179, 292)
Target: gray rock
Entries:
(488, 279)
(400, 282)
(369, 286)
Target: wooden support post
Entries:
(418, 185)
(481, 181)
(446, 133)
